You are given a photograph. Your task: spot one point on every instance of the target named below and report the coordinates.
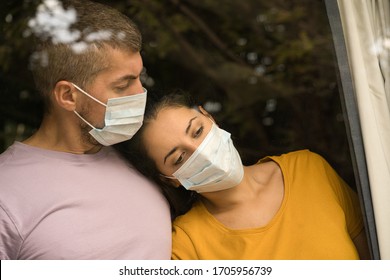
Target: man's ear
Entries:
(65, 95)
(205, 113)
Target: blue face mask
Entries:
(123, 118)
(215, 165)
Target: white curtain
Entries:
(366, 27)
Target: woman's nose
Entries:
(192, 145)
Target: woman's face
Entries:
(174, 135)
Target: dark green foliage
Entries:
(266, 66)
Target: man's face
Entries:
(120, 78)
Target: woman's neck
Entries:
(252, 203)
(254, 182)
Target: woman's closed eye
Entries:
(198, 132)
(180, 159)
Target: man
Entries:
(64, 193)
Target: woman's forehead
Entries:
(169, 123)
(163, 132)
(169, 120)
(174, 115)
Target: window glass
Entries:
(264, 69)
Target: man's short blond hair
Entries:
(78, 52)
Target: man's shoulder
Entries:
(7, 154)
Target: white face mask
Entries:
(215, 165)
(123, 118)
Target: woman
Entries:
(292, 206)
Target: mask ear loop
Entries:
(93, 98)
(90, 96)
(84, 119)
(168, 177)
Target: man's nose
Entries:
(137, 87)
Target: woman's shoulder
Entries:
(294, 161)
(197, 214)
(190, 215)
(293, 156)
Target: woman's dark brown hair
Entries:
(134, 151)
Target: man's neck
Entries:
(53, 136)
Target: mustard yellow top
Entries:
(317, 219)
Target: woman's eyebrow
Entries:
(170, 153)
(189, 124)
(175, 148)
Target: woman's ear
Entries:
(174, 182)
(205, 113)
(65, 95)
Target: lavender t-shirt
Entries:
(56, 205)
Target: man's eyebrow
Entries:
(175, 148)
(124, 78)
